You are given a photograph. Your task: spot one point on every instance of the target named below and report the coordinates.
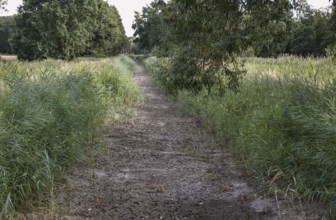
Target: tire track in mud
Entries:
(165, 165)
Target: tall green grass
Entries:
(282, 123)
(314, 69)
(49, 113)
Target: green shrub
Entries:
(192, 76)
(160, 69)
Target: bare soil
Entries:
(163, 164)
(8, 57)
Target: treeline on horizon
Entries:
(93, 28)
(204, 38)
(268, 28)
(54, 29)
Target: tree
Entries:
(7, 28)
(109, 36)
(43, 30)
(65, 29)
(206, 35)
(203, 37)
(310, 33)
(332, 33)
(267, 31)
(148, 26)
(270, 41)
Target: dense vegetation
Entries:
(279, 113)
(51, 112)
(281, 123)
(50, 116)
(203, 38)
(52, 29)
(265, 28)
(7, 28)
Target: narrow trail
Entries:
(164, 165)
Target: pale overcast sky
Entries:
(126, 9)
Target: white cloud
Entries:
(11, 7)
(126, 10)
(319, 3)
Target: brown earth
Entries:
(7, 57)
(163, 164)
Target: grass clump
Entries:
(49, 113)
(283, 124)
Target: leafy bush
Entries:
(160, 70)
(49, 112)
(175, 75)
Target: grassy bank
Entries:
(282, 123)
(50, 113)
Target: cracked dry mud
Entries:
(163, 164)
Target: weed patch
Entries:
(49, 113)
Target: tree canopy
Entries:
(203, 37)
(148, 26)
(67, 29)
(7, 28)
(108, 32)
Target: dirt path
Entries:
(164, 165)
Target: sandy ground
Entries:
(163, 164)
(7, 57)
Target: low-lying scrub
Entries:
(49, 113)
(283, 125)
